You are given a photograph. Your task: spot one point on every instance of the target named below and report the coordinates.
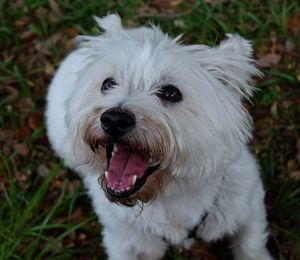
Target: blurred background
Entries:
(44, 211)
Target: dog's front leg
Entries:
(127, 243)
(251, 238)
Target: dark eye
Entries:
(169, 93)
(107, 84)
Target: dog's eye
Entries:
(107, 84)
(169, 93)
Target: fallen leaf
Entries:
(146, 10)
(274, 109)
(289, 45)
(77, 215)
(7, 56)
(22, 22)
(57, 184)
(43, 171)
(175, 2)
(49, 70)
(81, 236)
(291, 164)
(73, 186)
(22, 134)
(25, 104)
(201, 253)
(295, 175)
(72, 31)
(274, 43)
(54, 39)
(41, 12)
(34, 121)
(268, 60)
(22, 149)
(6, 150)
(294, 24)
(165, 5)
(69, 44)
(42, 48)
(54, 6)
(21, 179)
(28, 36)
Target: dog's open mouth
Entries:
(127, 172)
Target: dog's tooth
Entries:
(106, 174)
(115, 148)
(108, 186)
(134, 179)
(128, 188)
(150, 160)
(113, 154)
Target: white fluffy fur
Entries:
(209, 131)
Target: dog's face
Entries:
(147, 109)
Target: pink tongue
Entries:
(123, 166)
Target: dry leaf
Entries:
(49, 70)
(28, 36)
(54, 6)
(41, 12)
(268, 60)
(73, 186)
(34, 121)
(22, 22)
(22, 149)
(43, 171)
(72, 31)
(82, 236)
(203, 254)
(77, 215)
(294, 24)
(146, 10)
(175, 2)
(295, 175)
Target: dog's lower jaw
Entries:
(152, 188)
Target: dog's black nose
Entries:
(117, 122)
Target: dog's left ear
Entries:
(109, 23)
(232, 63)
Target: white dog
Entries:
(158, 132)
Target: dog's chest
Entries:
(173, 220)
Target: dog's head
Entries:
(147, 109)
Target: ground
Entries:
(44, 210)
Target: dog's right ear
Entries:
(109, 23)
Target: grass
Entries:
(44, 211)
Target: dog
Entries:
(159, 134)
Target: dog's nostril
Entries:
(117, 122)
(106, 122)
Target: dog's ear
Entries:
(232, 63)
(109, 23)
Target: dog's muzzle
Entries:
(127, 169)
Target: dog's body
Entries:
(190, 140)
